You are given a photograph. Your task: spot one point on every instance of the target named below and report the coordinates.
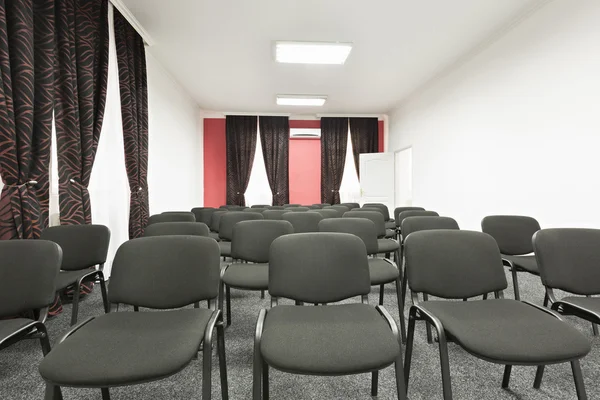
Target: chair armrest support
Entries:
(387, 260)
(260, 324)
(425, 315)
(390, 321)
(75, 329)
(546, 310)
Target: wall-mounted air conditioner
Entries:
(305, 133)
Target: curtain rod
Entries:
(119, 5)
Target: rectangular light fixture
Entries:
(312, 52)
(289, 100)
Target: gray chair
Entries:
(203, 214)
(389, 222)
(339, 208)
(275, 208)
(297, 209)
(411, 213)
(330, 340)
(386, 245)
(85, 249)
(231, 207)
(381, 270)
(129, 348)
(291, 205)
(215, 221)
(177, 228)
(514, 234)
(453, 264)
(327, 213)
(389, 233)
(315, 207)
(303, 222)
(260, 206)
(569, 259)
(173, 216)
(226, 225)
(250, 248)
(350, 205)
(27, 274)
(274, 214)
(398, 210)
(258, 210)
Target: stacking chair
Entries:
(411, 213)
(330, 340)
(381, 270)
(250, 249)
(291, 205)
(275, 208)
(84, 247)
(260, 206)
(130, 348)
(226, 225)
(27, 274)
(389, 222)
(350, 205)
(453, 264)
(274, 214)
(388, 233)
(339, 208)
(203, 214)
(172, 216)
(231, 207)
(304, 222)
(215, 221)
(387, 246)
(397, 212)
(258, 210)
(177, 228)
(514, 234)
(569, 260)
(315, 207)
(327, 213)
(297, 209)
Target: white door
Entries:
(403, 177)
(377, 178)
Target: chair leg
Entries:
(546, 300)
(515, 283)
(105, 394)
(445, 364)
(75, 310)
(506, 377)
(265, 380)
(381, 292)
(44, 339)
(222, 360)
(257, 374)
(539, 373)
(595, 329)
(404, 286)
(427, 325)
(409, 347)
(228, 301)
(579, 386)
(207, 366)
(262, 294)
(100, 276)
(374, 382)
(52, 392)
(401, 311)
(400, 383)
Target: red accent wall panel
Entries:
(380, 131)
(305, 171)
(215, 162)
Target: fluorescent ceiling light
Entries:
(316, 101)
(312, 52)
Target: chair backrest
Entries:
(415, 224)
(453, 264)
(229, 220)
(382, 207)
(569, 259)
(231, 207)
(274, 214)
(327, 213)
(319, 267)
(203, 214)
(297, 209)
(83, 246)
(303, 222)
(260, 206)
(374, 215)
(165, 272)
(215, 220)
(414, 213)
(291, 205)
(177, 228)
(398, 210)
(513, 233)
(275, 208)
(252, 239)
(28, 270)
(315, 207)
(257, 210)
(339, 208)
(351, 205)
(361, 227)
(183, 216)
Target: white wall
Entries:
(174, 169)
(516, 130)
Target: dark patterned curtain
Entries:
(364, 133)
(241, 132)
(133, 85)
(26, 85)
(81, 76)
(334, 139)
(275, 139)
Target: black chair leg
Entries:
(506, 377)
(105, 394)
(265, 380)
(515, 283)
(52, 392)
(374, 382)
(594, 326)
(404, 287)
(100, 277)
(262, 294)
(400, 383)
(222, 360)
(75, 310)
(546, 300)
(207, 366)
(257, 373)
(44, 339)
(409, 347)
(228, 304)
(381, 292)
(539, 373)
(579, 386)
(445, 364)
(401, 311)
(427, 325)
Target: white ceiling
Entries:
(221, 51)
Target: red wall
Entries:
(304, 163)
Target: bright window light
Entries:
(312, 52)
(316, 101)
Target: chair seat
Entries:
(387, 245)
(390, 233)
(125, 348)
(66, 278)
(214, 235)
(9, 326)
(390, 225)
(382, 271)
(247, 276)
(327, 340)
(509, 332)
(225, 248)
(592, 304)
(528, 263)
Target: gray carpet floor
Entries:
(471, 378)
